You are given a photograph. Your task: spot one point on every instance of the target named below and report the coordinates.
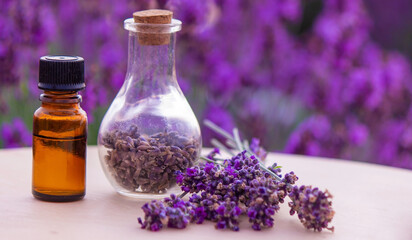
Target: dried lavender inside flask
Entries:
(149, 132)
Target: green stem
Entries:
(237, 140)
(264, 168)
(183, 194)
(218, 129)
(246, 144)
(220, 145)
(231, 144)
(210, 160)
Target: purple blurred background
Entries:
(325, 78)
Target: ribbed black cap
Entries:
(61, 73)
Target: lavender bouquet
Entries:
(223, 190)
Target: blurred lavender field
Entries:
(307, 77)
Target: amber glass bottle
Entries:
(60, 131)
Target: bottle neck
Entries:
(61, 98)
(151, 68)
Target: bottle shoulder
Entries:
(60, 113)
(59, 123)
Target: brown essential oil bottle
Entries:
(60, 131)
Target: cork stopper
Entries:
(153, 16)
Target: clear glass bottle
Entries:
(149, 132)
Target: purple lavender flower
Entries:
(287, 183)
(313, 207)
(331, 67)
(173, 210)
(195, 14)
(15, 134)
(177, 218)
(337, 70)
(248, 168)
(205, 207)
(26, 27)
(91, 98)
(225, 79)
(306, 139)
(275, 169)
(221, 183)
(155, 216)
(176, 202)
(357, 133)
(228, 214)
(193, 181)
(260, 214)
(199, 215)
(210, 168)
(395, 140)
(213, 153)
(264, 198)
(257, 149)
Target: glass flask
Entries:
(149, 132)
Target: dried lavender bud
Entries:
(148, 164)
(155, 216)
(176, 212)
(228, 214)
(177, 218)
(176, 202)
(260, 214)
(205, 207)
(199, 215)
(267, 189)
(241, 160)
(264, 197)
(287, 182)
(228, 181)
(313, 207)
(248, 167)
(275, 169)
(193, 181)
(257, 149)
(179, 212)
(285, 186)
(213, 153)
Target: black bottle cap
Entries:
(61, 73)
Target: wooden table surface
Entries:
(371, 202)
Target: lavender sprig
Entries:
(235, 141)
(219, 145)
(219, 130)
(228, 214)
(155, 216)
(313, 207)
(314, 214)
(173, 211)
